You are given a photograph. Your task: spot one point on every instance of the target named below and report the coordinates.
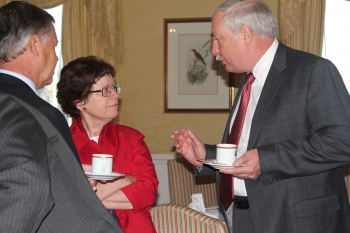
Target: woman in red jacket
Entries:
(87, 93)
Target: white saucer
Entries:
(104, 176)
(212, 163)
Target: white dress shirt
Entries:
(260, 72)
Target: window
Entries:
(48, 93)
(336, 43)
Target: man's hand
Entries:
(188, 144)
(245, 167)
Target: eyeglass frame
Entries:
(115, 87)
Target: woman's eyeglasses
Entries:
(107, 91)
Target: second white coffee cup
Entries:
(226, 153)
(102, 164)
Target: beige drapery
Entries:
(91, 27)
(301, 24)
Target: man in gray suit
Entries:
(28, 59)
(42, 185)
(294, 137)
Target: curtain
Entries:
(82, 38)
(91, 27)
(97, 30)
(301, 24)
(46, 3)
(106, 24)
(39, 3)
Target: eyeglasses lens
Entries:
(107, 91)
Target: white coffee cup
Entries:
(102, 164)
(226, 153)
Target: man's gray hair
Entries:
(18, 22)
(255, 14)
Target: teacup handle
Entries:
(103, 164)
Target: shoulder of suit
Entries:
(38, 115)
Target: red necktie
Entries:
(226, 185)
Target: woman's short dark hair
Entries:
(76, 81)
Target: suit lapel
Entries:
(272, 84)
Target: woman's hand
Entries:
(93, 183)
(86, 167)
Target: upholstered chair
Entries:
(171, 218)
(183, 183)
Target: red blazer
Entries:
(131, 156)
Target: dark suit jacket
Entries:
(21, 90)
(301, 128)
(42, 185)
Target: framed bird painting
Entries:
(194, 80)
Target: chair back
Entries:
(183, 183)
(171, 218)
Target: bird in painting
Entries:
(198, 57)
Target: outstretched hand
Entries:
(188, 144)
(245, 167)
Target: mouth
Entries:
(115, 105)
(220, 58)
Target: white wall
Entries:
(160, 163)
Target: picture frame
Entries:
(194, 80)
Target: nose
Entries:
(114, 94)
(56, 57)
(214, 48)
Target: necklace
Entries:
(83, 126)
(97, 133)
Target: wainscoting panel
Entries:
(160, 163)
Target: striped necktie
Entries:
(226, 185)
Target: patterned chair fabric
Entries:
(170, 218)
(183, 183)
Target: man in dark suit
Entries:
(294, 137)
(28, 59)
(42, 185)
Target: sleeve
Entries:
(25, 197)
(143, 192)
(327, 144)
(207, 170)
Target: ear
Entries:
(247, 34)
(34, 45)
(79, 105)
